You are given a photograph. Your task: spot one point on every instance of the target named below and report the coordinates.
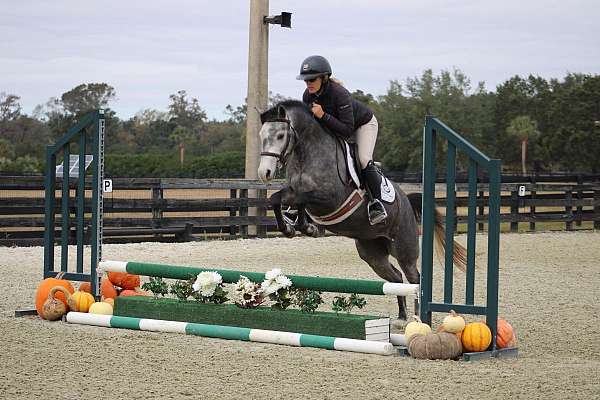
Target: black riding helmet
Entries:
(313, 67)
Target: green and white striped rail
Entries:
(336, 285)
(233, 333)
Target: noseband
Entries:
(281, 156)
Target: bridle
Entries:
(283, 155)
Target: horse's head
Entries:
(277, 136)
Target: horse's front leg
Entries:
(302, 224)
(275, 200)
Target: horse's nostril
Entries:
(268, 174)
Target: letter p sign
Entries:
(107, 186)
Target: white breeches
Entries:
(366, 136)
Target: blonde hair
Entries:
(335, 80)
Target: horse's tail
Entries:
(459, 255)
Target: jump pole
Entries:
(233, 333)
(325, 284)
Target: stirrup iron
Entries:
(376, 212)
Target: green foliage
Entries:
(282, 299)
(307, 300)
(182, 289)
(187, 113)
(157, 286)
(10, 108)
(222, 165)
(21, 165)
(152, 143)
(341, 303)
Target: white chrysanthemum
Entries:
(206, 283)
(273, 274)
(269, 287)
(283, 281)
(217, 278)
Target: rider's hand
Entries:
(317, 110)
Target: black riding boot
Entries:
(372, 179)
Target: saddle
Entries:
(357, 197)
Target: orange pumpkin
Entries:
(128, 292)
(476, 337)
(107, 289)
(44, 288)
(110, 301)
(505, 334)
(83, 300)
(85, 287)
(124, 280)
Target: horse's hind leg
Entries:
(405, 248)
(376, 253)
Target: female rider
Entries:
(334, 107)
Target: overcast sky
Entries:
(150, 49)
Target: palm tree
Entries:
(181, 136)
(524, 129)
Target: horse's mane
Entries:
(279, 110)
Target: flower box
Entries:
(366, 327)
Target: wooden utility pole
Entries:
(258, 89)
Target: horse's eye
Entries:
(280, 136)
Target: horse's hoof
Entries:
(289, 231)
(311, 230)
(402, 315)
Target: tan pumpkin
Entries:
(476, 337)
(44, 288)
(435, 346)
(441, 329)
(416, 327)
(453, 323)
(83, 300)
(505, 335)
(53, 308)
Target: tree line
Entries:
(531, 123)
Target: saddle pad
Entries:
(352, 166)
(388, 193)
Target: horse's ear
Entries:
(263, 117)
(281, 113)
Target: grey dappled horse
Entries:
(318, 181)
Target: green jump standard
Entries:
(364, 327)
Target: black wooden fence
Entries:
(153, 209)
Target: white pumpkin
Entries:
(453, 323)
(415, 327)
(101, 308)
